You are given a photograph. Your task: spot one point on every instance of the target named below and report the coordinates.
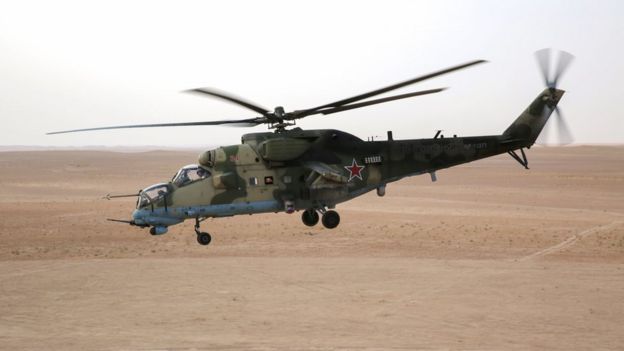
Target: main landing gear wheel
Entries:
(204, 238)
(331, 219)
(310, 217)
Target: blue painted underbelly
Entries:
(174, 215)
(225, 210)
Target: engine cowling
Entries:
(207, 158)
(283, 149)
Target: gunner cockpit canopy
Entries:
(153, 194)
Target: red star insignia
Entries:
(355, 171)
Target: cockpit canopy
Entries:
(153, 194)
(189, 174)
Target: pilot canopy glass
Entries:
(152, 194)
(189, 174)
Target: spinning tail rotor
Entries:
(551, 79)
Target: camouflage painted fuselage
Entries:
(317, 169)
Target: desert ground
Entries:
(489, 257)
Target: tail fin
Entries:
(530, 123)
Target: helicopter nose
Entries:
(138, 217)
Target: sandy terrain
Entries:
(489, 257)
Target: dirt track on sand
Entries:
(489, 257)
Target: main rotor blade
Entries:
(543, 60)
(231, 98)
(387, 89)
(250, 122)
(379, 101)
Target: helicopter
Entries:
(290, 169)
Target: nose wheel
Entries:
(203, 238)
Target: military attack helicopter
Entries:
(290, 169)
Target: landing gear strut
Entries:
(203, 238)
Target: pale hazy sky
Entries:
(77, 64)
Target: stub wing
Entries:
(326, 172)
